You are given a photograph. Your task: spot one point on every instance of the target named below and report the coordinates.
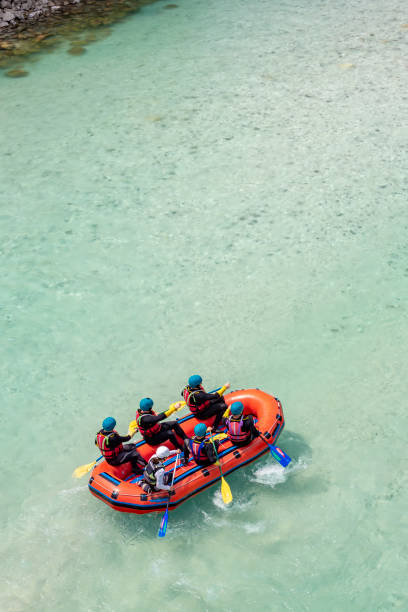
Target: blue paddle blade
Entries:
(163, 524)
(280, 456)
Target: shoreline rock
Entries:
(38, 26)
(19, 15)
(18, 12)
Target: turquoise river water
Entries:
(219, 188)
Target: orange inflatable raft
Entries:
(118, 487)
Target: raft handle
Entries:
(143, 497)
(205, 472)
(115, 494)
(236, 454)
(276, 429)
(267, 435)
(91, 480)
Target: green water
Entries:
(220, 188)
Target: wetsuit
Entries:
(205, 405)
(202, 450)
(241, 430)
(111, 446)
(148, 421)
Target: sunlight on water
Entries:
(217, 188)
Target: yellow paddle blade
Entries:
(220, 436)
(225, 491)
(132, 427)
(82, 470)
(222, 390)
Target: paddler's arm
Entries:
(125, 438)
(186, 451)
(209, 449)
(148, 420)
(115, 439)
(159, 481)
(202, 396)
(212, 396)
(249, 425)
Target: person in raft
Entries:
(154, 476)
(201, 449)
(241, 428)
(110, 443)
(152, 430)
(205, 405)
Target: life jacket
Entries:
(152, 430)
(197, 450)
(188, 394)
(102, 440)
(149, 473)
(235, 432)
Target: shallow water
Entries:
(219, 188)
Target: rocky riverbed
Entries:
(31, 27)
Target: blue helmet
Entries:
(109, 424)
(236, 408)
(146, 404)
(200, 430)
(195, 380)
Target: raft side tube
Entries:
(126, 495)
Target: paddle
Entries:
(84, 469)
(278, 454)
(225, 488)
(165, 519)
(133, 428)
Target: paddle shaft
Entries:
(275, 454)
(172, 478)
(172, 481)
(216, 454)
(165, 519)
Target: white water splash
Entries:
(274, 474)
(271, 475)
(239, 504)
(253, 527)
(217, 501)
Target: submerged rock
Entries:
(76, 50)
(17, 73)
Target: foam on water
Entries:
(239, 503)
(275, 474)
(271, 475)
